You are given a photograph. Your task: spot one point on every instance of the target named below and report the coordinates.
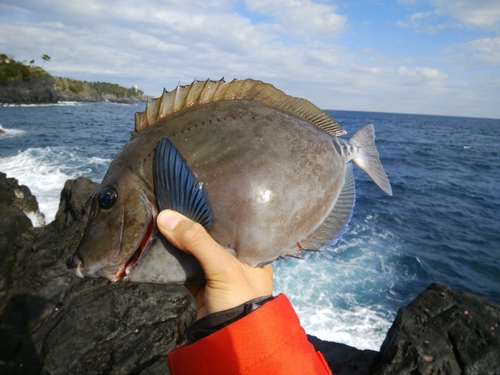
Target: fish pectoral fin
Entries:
(368, 159)
(338, 218)
(176, 187)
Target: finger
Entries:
(192, 238)
(198, 293)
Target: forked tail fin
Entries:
(368, 159)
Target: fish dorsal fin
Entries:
(201, 92)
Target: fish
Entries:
(267, 174)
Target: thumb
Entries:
(191, 238)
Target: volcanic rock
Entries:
(443, 331)
(344, 359)
(16, 201)
(53, 322)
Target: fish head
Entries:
(121, 225)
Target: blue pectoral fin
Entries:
(176, 187)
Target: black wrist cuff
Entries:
(213, 322)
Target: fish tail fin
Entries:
(368, 158)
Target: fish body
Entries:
(268, 174)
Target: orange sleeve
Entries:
(269, 340)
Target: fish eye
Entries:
(107, 197)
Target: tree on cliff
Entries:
(45, 58)
(20, 83)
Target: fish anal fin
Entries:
(176, 187)
(201, 92)
(336, 222)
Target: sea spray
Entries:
(45, 170)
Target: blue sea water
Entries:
(442, 224)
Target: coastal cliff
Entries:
(54, 322)
(30, 84)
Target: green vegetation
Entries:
(73, 85)
(113, 88)
(16, 77)
(11, 70)
(45, 58)
(76, 86)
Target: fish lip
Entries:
(143, 243)
(74, 262)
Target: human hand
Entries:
(230, 283)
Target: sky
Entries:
(438, 57)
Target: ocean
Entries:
(441, 225)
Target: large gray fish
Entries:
(265, 173)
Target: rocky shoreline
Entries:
(69, 96)
(52, 322)
(44, 91)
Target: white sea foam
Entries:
(69, 103)
(8, 133)
(62, 103)
(45, 170)
(358, 326)
(37, 219)
(332, 291)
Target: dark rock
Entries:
(53, 322)
(13, 223)
(20, 197)
(443, 332)
(33, 90)
(15, 201)
(344, 359)
(73, 202)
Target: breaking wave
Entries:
(45, 170)
(349, 293)
(8, 133)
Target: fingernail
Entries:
(168, 220)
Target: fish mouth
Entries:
(149, 234)
(75, 262)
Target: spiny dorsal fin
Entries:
(201, 92)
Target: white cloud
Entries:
(301, 18)
(160, 46)
(480, 13)
(157, 44)
(415, 19)
(432, 75)
(449, 14)
(485, 50)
